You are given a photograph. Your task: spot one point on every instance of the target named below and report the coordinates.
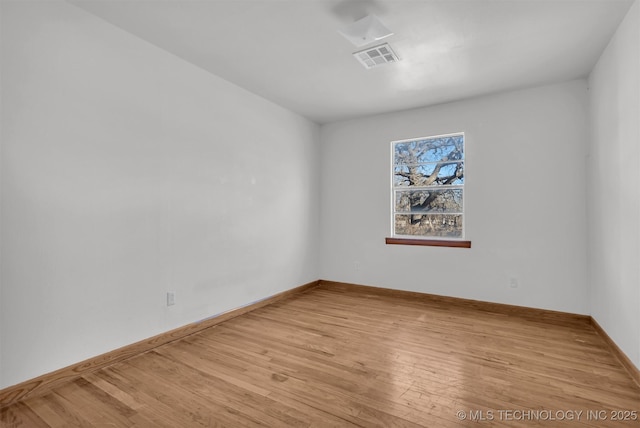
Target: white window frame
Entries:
(396, 188)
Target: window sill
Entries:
(429, 242)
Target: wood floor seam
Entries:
(340, 355)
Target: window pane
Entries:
(428, 182)
(437, 225)
(432, 174)
(430, 150)
(432, 200)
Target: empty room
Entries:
(319, 213)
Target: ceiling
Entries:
(289, 51)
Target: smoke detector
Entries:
(376, 55)
(366, 30)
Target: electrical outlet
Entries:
(513, 282)
(171, 298)
(356, 266)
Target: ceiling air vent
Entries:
(375, 56)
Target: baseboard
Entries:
(43, 384)
(532, 314)
(619, 354)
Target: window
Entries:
(428, 188)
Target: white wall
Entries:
(1, 133)
(127, 172)
(525, 200)
(614, 188)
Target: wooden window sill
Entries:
(429, 242)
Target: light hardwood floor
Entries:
(346, 356)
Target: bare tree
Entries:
(428, 178)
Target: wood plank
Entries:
(429, 242)
(341, 355)
(47, 382)
(633, 371)
(531, 314)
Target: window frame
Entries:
(437, 241)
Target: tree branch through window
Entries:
(428, 187)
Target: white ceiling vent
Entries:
(375, 56)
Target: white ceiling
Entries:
(289, 51)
